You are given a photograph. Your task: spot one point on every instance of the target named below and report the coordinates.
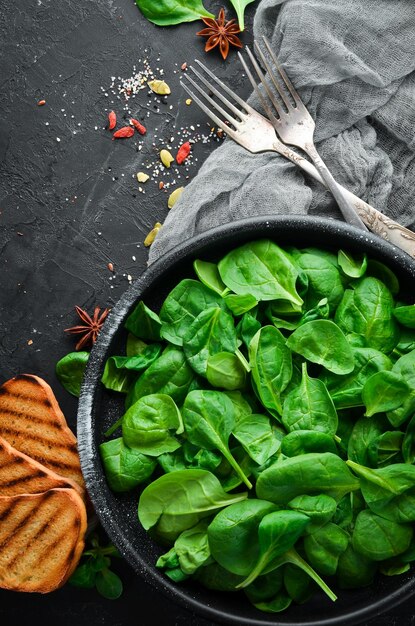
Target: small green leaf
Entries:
(109, 584)
(70, 371)
(171, 12)
(84, 576)
(239, 6)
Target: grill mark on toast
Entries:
(12, 534)
(71, 447)
(24, 396)
(18, 460)
(36, 420)
(32, 540)
(24, 479)
(7, 512)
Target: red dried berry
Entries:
(138, 126)
(112, 120)
(183, 152)
(122, 133)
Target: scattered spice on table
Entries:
(183, 152)
(112, 120)
(220, 33)
(152, 234)
(123, 133)
(166, 157)
(90, 327)
(138, 126)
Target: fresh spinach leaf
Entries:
(354, 570)
(405, 315)
(324, 546)
(311, 473)
(346, 390)
(364, 433)
(320, 509)
(70, 371)
(405, 368)
(388, 491)
(215, 577)
(124, 467)
(382, 272)
(304, 441)
(171, 12)
(240, 304)
(247, 327)
(257, 436)
(144, 323)
(181, 307)
(261, 269)
(310, 407)
(378, 538)
(120, 372)
(324, 280)
(170, 374)
(225, 370)
(233, 535)
(149, 424)
(271, 364)
(367, 311)
(322, 342)
(186, 495)
(352, 266)
(211, 332)
(209, 419)
(208, 274)
(190, 551)
(277, 533)
(408, 443)
(384, 391)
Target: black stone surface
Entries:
(69, 207)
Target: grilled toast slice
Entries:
(33, 423)
(41, 539)
(19, 474)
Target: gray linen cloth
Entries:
(353, 64)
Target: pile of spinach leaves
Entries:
(270, 417)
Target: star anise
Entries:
(90, 328)
(220, 33)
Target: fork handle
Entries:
(345, 206)
(377, 222)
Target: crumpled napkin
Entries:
(353, 65)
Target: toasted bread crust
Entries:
(19, 474)
(41, 539)
(33, 423)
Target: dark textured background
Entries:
(69, 207)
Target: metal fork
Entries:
(294, 124)
(255, 133)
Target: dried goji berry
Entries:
(138, 126)
(183, 152)
(112, 120)
(125, 131)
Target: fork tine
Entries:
(272, 76)
(225, 88)
(213, 103)
(274, 120)
(209, 113)
(261, 77)
(217, 93)
(284, 76)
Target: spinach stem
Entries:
(111, 430)
(243, 360)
